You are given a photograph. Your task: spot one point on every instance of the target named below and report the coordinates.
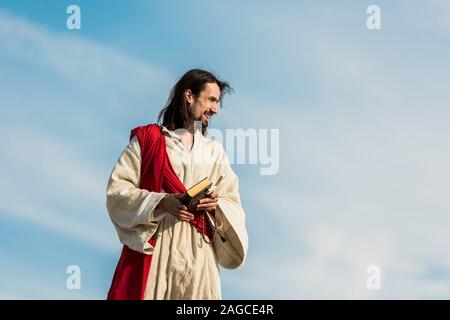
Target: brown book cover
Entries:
(195, 193)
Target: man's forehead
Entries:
(211, 90)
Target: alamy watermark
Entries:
(250, 146)
(373, 21)
(73, 281)
(74, 19)
(373, 281)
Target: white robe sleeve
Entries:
(231, 240)
(131, 209)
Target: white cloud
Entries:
(25, 281)
(52, 186)
(62, 96)
(79, 61)
(363, 176)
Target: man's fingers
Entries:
(207, 200)
(207, 206)
(214, 195)
(184, 217)
(186, 214)
(207, 203)
(181, 214)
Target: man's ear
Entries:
(189, 96)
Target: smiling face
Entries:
(206, 104)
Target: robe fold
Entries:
(163, 257)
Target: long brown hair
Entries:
(176, 113)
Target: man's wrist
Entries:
(161, 203)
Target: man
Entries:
(169, 252)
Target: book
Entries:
(213, 188)
(198, 191)
(195, 193)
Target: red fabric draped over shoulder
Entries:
(157, 174)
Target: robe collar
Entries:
(173, 135)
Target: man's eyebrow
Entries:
(215, 99)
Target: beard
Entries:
(204, 125)
(199, 122)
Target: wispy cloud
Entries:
(80, 62)
(363, 175)
(54, 178)
(363, 127)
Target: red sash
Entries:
(157, 173)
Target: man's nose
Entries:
(214, 109)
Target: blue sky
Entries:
(363, 119)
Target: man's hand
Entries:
(210, 203)
(171, 204)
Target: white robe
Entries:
(184, 265)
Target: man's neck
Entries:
(197, 125)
